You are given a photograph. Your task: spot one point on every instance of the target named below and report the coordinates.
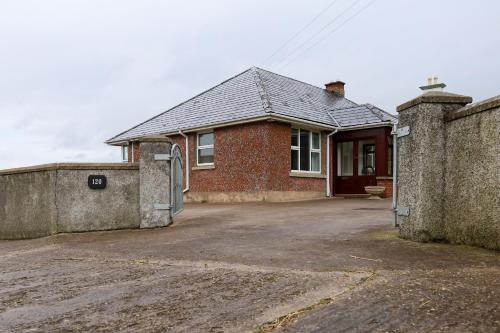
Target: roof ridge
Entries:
(333, 118)
(264, 97)
(379, 111)
(184, 102)
(321, 105)
(377, 114)
(309, 84)
(290, 78)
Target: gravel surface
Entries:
(324, 266)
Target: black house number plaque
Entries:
(97, 181)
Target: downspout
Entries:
(395, 173)
(328, 190)
(187, 161)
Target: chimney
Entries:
(336, 87)
(433, 85)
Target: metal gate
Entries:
(176, 194)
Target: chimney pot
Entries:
(433, 85)
(336, 87)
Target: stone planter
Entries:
(375, 192)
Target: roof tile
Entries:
(252, 93)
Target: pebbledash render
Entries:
(263, 136)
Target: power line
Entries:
(295, 50)
(299, 32)
(328, 34)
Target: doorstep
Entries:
(348, 196)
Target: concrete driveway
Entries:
(326, 266)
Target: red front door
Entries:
(355, 162)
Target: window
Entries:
(306, 151)
(366, 157)
(345, 158)
(124, 153)
(315, 152)
(205, 148)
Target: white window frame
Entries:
(296, 148)
(311, 150)
(124, 154)
(198, 148)
(314, 150)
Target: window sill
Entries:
(384, 177)
(203, 167)
(306, 174)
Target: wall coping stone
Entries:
(384, 177)
(71, 166)
(439, 97)
(471, 109)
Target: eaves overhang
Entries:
(365, 126)
(269, 116)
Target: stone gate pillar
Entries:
(421, 164)
(154, 173)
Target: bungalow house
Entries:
(264, 136)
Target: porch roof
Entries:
(363, 114)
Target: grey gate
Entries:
(176, 193)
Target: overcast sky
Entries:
(75, 73)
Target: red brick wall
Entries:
(134, 148)
(388, 186)
(250, 157)
(279, 163)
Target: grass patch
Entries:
(387, 235)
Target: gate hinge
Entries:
(403, 211)
(162, 157)
(403, 131)
(159, 206)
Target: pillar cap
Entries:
(438, 97)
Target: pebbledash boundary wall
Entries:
(55, 198)
(449, 169)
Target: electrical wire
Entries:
(327, 35)
(299, 32)
(303, 44)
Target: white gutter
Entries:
(395, 173)
(235, 122)
(352, 128)
(300, 121)
(187, 161)
(328, 190)
(272, 116)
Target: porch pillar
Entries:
(381, 154)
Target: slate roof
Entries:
(253, 93)
(363, 114)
